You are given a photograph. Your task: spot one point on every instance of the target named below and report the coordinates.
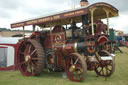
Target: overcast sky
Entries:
(17, 10)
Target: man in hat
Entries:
(84, 17)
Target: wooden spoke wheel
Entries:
(30, 57)
(76, 67)
(105, 67)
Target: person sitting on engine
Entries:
(58, 28)
(74, 29)
(101, 28)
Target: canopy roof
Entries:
(65, 17)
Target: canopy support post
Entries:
(107, 22)
(92, 21)
(51, 36)
(23, 32)
(34, 26)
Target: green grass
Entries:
(120, 76)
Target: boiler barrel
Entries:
(77, 47)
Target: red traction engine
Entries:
(66, 47)
(58, 50)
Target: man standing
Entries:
(84, 17)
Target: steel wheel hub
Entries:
(72, 68)
(27, 58)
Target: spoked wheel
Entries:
(105, 67)
(30, 57)
(76, 67)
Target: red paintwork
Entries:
(69, 48)
(47, 42)
(3, 47)
(13, 67)
(58, 38)
(102, 39)
(60, 59)
(66, 48)
(58, 29)
(126, 43)
(36, 33)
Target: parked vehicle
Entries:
(122, 40)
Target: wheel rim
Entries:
(30, 58)
(76, 67)
(105, 68)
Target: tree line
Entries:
(9, 30)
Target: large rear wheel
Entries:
(76, 67)
(30, 57)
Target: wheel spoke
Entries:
(107, 70)
(71, 62)
(29, 50)
(77, 75)
(21, 52)
(24, 44)
(34, 64)
(32, 69)
(78, 66)
(103, 72)
(110, 64)
(76, 60)
(80, 69)
(33, 52)
(29, 68)
(26, 50)
(26, 70)
(35, 58)
(24, 62)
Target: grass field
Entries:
(120, 76)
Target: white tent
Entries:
(8, 52)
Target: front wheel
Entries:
(105, 67)
(76, 68)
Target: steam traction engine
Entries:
(68, 49)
